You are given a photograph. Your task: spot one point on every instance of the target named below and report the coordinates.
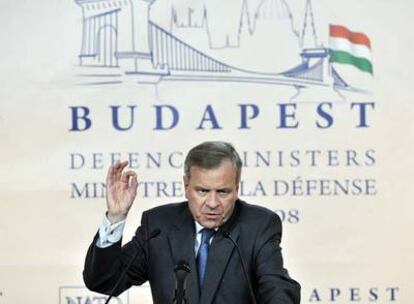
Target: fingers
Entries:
(110, 175)
(132, 182)
(121, 190)
(119, 167)
(115, 172)
(128, 176)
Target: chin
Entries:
(209, 224)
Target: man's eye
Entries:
(223, 193)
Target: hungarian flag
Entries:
(350, 48)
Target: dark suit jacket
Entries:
(256, 230)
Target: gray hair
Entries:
(210, 154)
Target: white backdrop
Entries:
(188, 71)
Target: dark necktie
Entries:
(206, 235)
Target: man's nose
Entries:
(212, 200)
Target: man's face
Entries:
(212, 194)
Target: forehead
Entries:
(224, 174)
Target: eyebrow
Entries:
(218, 189)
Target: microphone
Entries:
(182, 269)
(152, 235)
(252, 296)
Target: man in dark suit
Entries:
(200, 232)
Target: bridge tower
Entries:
(139, 58)
(116, 33)
(313, 52)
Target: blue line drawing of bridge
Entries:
(118, 35)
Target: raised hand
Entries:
(121, 190)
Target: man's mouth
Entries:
(212, 216)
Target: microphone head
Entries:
(154, 233)
(226, 233)
(182, 266)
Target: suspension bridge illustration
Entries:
(119, 35)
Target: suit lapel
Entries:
(181, 239)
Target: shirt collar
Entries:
(198, 227)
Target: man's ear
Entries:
(186, 180)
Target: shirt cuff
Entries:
(109, 234)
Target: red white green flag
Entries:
(350, 48)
